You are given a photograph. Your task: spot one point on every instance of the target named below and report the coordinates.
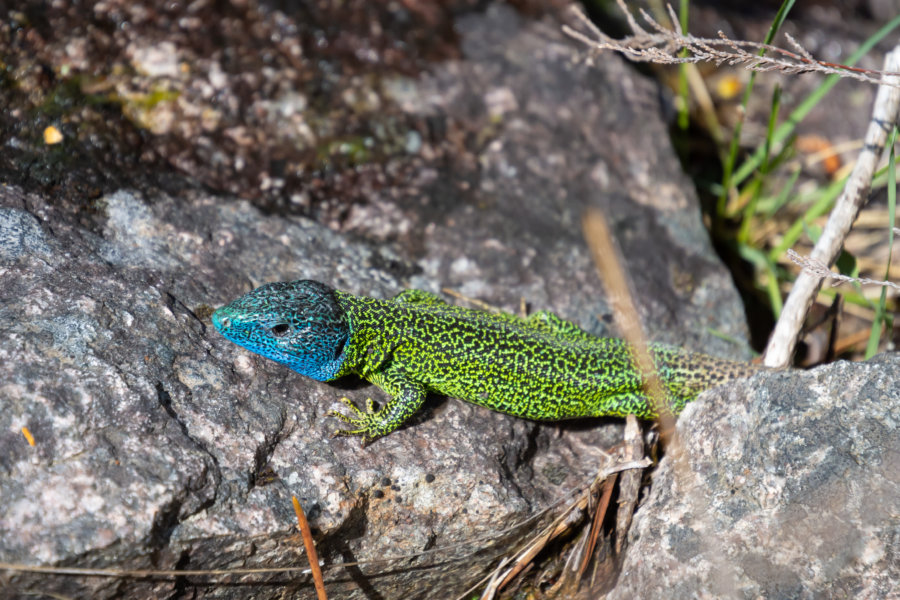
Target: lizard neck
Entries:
(371, 332)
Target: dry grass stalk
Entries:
(665, 46)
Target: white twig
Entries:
(884, 117)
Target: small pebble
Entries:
(52, 135)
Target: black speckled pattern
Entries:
(540, 368)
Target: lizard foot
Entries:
(367, 424)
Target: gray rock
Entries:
(20, 235)
(788, 487)
(161, 445)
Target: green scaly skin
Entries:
(540, 367)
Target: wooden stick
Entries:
(884, 116)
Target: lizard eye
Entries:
(280, 330)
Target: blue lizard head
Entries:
(296, 323)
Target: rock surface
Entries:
(788, 487)
(157, 444)
(160, 445)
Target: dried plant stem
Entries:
(607, 257)
(310, 546)
(629, 481)
(884, 117)
(562, 524)
(664, 46)
(820, 269)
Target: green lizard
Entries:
(540, 367)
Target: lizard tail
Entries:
(685, 374)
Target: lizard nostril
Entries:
(221, 321)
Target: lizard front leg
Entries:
(406, 398)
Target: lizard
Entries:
(539, 367)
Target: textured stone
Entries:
(161, 445)
(788, 487)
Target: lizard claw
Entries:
(365, 423)
(345, 418)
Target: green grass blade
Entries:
(728, 167)
(799, 113)
(684, 111)
(747, 219)
(881, 315)
(821, 206)
(759, 259)
(770, 208)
